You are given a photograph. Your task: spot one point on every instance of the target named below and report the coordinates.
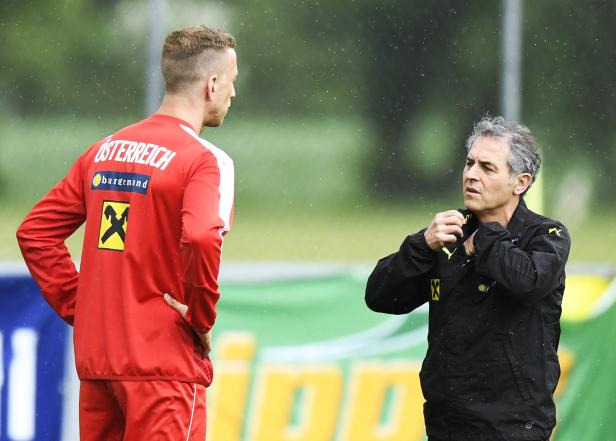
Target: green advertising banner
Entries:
(301, 358)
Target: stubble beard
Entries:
(213, 121)
(216, 120)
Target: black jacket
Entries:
(491, 367)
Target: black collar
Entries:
(518, 220)
(516, 223)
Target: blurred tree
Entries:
(570, 87)
(296, 58)
(64, 56)
(106, 3)
(418, 73)
(425, 59)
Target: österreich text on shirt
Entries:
(134, 152)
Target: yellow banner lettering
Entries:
(279, 417)
(371, 385)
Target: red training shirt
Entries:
(157, 200)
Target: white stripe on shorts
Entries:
(192, 412)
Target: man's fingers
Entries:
(452, 220)
(451, 217)
(447, 238)
(444, 229)
(170, 300)
(469, 246)
(450, 229)
(206, 341)
(451, 214)
(179, 307)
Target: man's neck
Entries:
(182, 108)
(502, 214)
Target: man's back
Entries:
(157, 200)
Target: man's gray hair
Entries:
(524, 156)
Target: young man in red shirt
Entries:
(157, 200)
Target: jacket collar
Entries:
(518, 220)
(516, 223)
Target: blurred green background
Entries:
(350, 119)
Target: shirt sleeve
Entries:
(42, 235)
(206, 217)
(527, 275)
(398, 283)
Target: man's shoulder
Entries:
(207, 147)
(182, 135)
(542, 225)
(125, 132)
(536, 220)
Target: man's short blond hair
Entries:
(184, 57)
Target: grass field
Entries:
(300, 195)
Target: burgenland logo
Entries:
(120, 181)
(114, 224)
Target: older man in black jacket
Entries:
(494, 276)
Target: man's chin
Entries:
(471, 205)
(212, 123)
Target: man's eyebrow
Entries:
(486, 163)
(482, 163)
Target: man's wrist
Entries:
(487, 234)
(419, 244)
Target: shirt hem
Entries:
(146, 378)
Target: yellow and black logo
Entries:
(435, 289)
(555, 230)
(114, 221)
(96, 180)
(449, 253)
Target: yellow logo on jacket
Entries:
(114, 222)
(435, 289)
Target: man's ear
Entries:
(522, 182)
(211, 87)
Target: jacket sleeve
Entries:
(398, 283)
(529, 274)
(206, 217)
(41, 239)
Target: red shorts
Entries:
(114, 410)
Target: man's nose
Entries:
(471, 172)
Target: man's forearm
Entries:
(398, 284)
(50, 265)
(202, 256)
(526, 274)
